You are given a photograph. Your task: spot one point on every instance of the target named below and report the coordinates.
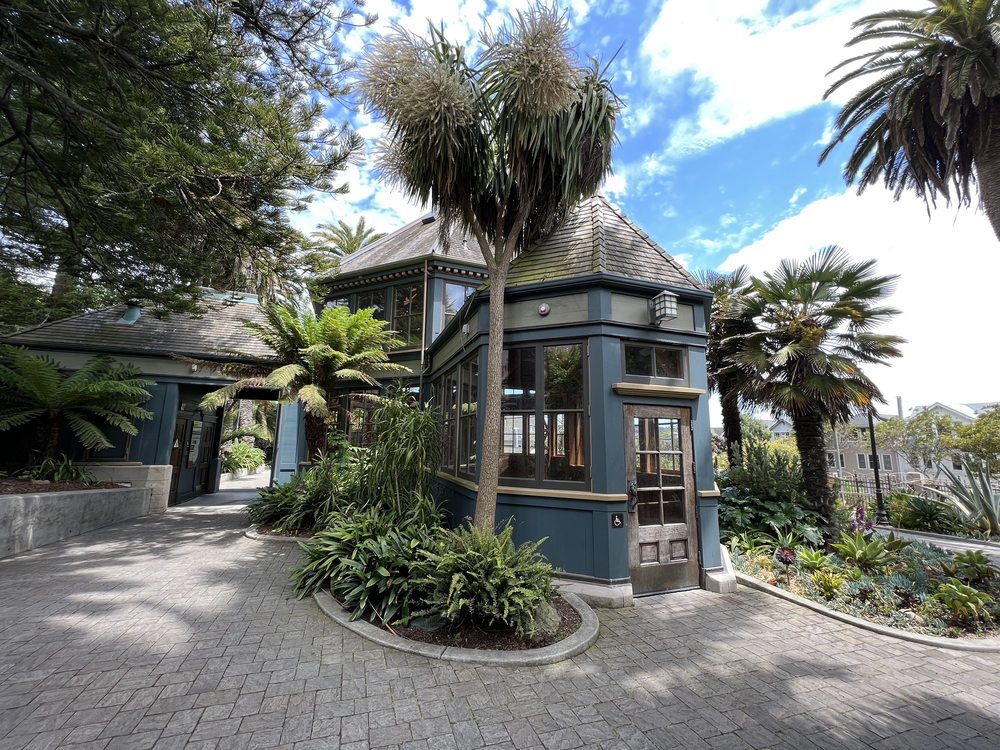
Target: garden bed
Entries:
(9, 486)
(499, 639)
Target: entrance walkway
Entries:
(175, 631)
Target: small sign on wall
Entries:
(618, 520)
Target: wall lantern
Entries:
(662, 307)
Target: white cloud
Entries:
(948, 266)
(797, 195)
(745, 67)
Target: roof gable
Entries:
(597, 238)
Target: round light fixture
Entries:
(544, 309)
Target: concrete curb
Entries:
(252, 533)
(922, 536)
(574, 644)
(985, 645)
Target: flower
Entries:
(860, 522)
(785, 555)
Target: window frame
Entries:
(539, 411)
(652, 379)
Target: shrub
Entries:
(477, 577)
(243, 456)
(765, 492)
(922, 513)
(827, 582)
(868, 552)
(964, 602)
(59, 469)
(971, 566)
(310, 496)
(367, 559)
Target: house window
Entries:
(654, 363)
(359, 424)
(339, 302)
(449, 418)
(408, 312)
(886, 461)
(862, 461)
(374, 299)
(544, 426)
(456, 397)
(455, 296)
(831, 462)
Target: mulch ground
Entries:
(27, 487)
(269, 531)
(470, 636)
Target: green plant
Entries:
(475, 576)
(977, 499)
(243, 456)
(971, 566)
(812, 559)
(827, 582)
(922, 513)
(963, 601)
(368, 559)
(33, 389)
(58, 470)
(751, 543)
(405, 452)
(867, 552)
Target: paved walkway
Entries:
(176, 631)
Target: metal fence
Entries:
(854, 489)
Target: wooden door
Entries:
(662, 527)
(177, 456)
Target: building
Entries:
(606, 447)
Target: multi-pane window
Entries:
(831, 460)
(358, 411)
(455, 296)
(449, 418)
(543, 414)
(884, 461)
(339, 302)
(408, 312)
(646, 361)
(659, 470)
(456, 397)
(374, 299)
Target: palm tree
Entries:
(341, 240)
(930, 119)
(33, 389)
(812, 332)
(315, 357)
(505, 146)
(726, 324)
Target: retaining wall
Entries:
(29, 521)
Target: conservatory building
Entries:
(606, 448)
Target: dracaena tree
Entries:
(813, 331)
(316, 358)
(503, 145)
(928, 113)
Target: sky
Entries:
(719, 138)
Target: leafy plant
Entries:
(811, 559)
(971, 566)
(868, 552)
(751, 543)
(827, 582)
(475, 576)
(977, 499)
(368, 558)
(59, 469)
(922, 513)
(963, 601)
(243, 456)
(33, 389)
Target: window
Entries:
(359, 425)
(648, 362)
(408, 312)
(831, 461)
(374, 299)
(455, 296)
(544, 427)
(884, 461)
(339, 302)
(456, 397)
(862, 461)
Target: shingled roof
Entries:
(417, 240)
(218, 334)
(598, 238)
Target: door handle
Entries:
(632, 489)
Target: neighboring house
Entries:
(606, 448)
(849, 451)
(961, 413)
(780, 428)
(179, 447)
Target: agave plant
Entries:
(977, 499)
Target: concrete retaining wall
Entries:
(155, 477)
(29, 521)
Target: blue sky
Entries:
(723, 124)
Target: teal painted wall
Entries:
(289, 446)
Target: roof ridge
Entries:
(600, 247)
(48, 323)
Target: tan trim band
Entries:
(671, 391)
(539, 492)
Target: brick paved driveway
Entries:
(175, 631)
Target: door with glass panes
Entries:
(662, 528)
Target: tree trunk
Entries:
(732, 427)
(52, 439)
(316, 435)
(489, 448)
(988, 177)
(244, 419)
(812, 451)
